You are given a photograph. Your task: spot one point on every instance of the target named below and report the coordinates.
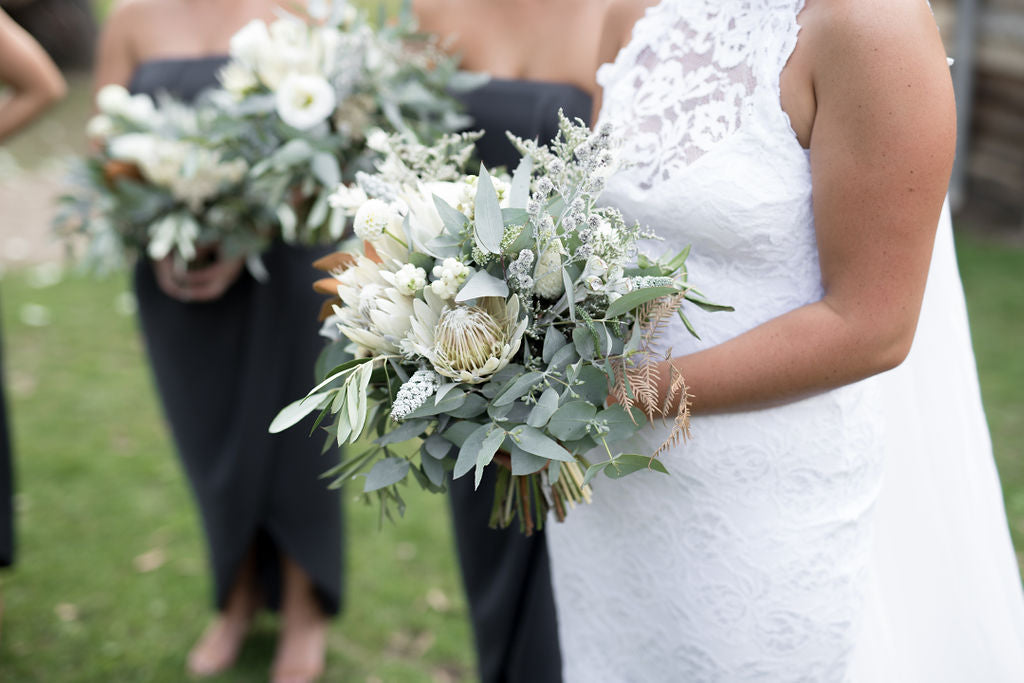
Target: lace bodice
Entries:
(746, 563)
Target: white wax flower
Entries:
(250, 43)
(378, 141)
(303, 101)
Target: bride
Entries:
(803, 149)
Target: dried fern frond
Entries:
(681, 424)
(654, 318)
(645, 380)
(620, 387)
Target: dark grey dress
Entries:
(223, 369)
(506, 574)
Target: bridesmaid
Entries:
(227, 353)
(35, 85)
(541, 56)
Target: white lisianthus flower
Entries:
(250, 44)
(449, 276)
(548, 281)
(303, 101)
(408, 279)
(238, 79)
(594, 273)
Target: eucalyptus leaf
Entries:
(453, 400)
(520, 191)
(490, 446)
(631, 300)
(489, 227)
(518, 388)
(593, 385)
(409, 429)
(385, 473)
(630, 462)
(482, 283)
(437, 446)
(535, 441)
(472, 406)
(514, 216)
(434, 470)
(562, 358)
(288, 220)
(453, 219)
(545, 407)
(294, 412)
(325, 168)
(470, 449)
(553, 341)
(522, 462)
(458, 432)
(443, 390)
(620, 425)
(571, 420)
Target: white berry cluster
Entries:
(414, 393)
(410, 279)
(449, 276)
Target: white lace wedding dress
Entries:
(756, 559)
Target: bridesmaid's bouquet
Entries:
(158, 185)
(487, 320)
(301, 94)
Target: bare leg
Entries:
(303, 641)
(220, 644)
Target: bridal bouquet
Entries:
(488, 319)
(301, 93)
(158, 185)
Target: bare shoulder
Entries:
(844, 33)
(619, 18)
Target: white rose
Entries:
(304, 101)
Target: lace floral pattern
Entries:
(748, 561)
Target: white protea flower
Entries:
(425, 222)
(304, 101)
(414, 393)
(548, 281)
(466, 343)
(374, 314)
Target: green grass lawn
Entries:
(111, 581)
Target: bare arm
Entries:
(34, 79)
(881, 152)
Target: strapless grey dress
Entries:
(506, 575)
(223, 369)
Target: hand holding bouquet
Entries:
(490, 314)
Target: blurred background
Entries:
(110, 578)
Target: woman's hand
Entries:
(206, 283)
